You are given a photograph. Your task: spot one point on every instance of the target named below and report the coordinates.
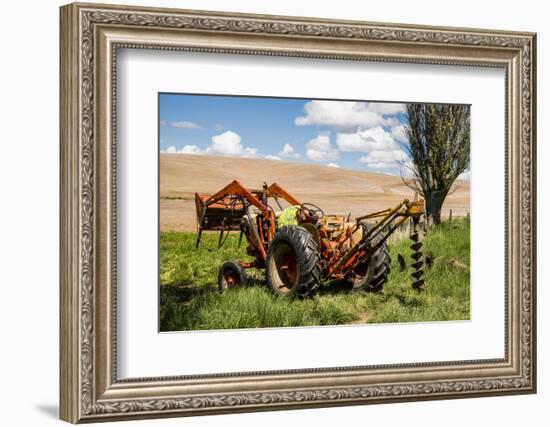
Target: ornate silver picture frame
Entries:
(91, 34)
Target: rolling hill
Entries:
(335, 190)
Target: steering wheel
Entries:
(313, 210)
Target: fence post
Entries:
(450, 217)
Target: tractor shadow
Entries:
(183, 294)
(335, 287)
(328, 288)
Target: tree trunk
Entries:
(434, 202)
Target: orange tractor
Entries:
(300, 246)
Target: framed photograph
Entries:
(267, 212)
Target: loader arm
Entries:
(276, 191)
(235, 188)
(224, 210)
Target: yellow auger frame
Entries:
(390, 220)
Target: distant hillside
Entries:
(336, 190)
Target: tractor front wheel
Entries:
(373, 275)
(231, 274)
(293, 262)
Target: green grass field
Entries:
(189, 298)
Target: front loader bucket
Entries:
(222, 215)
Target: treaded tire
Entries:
(372, 277)
(293, 262)
(230, 275)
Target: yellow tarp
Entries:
(288, 217)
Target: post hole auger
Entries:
(417, 256)
(299, 245)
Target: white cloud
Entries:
(348, 114)
(289, 152)
(398, 133)
(320, 149)
(370, 128)
(270, 157)
(375, 138)
(162, 122)
(384, 159)
(224, 144)
(333, 165)
(381, 147)
(320, 142)
(184, 124)
(187, 149)
(228, 143)
(191, 149)
(249, 152)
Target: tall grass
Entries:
(190, 299)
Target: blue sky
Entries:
(356, 135)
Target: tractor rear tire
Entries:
(230, 275)
(293, 262)
(373, 275)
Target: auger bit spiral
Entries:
(417, 256)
